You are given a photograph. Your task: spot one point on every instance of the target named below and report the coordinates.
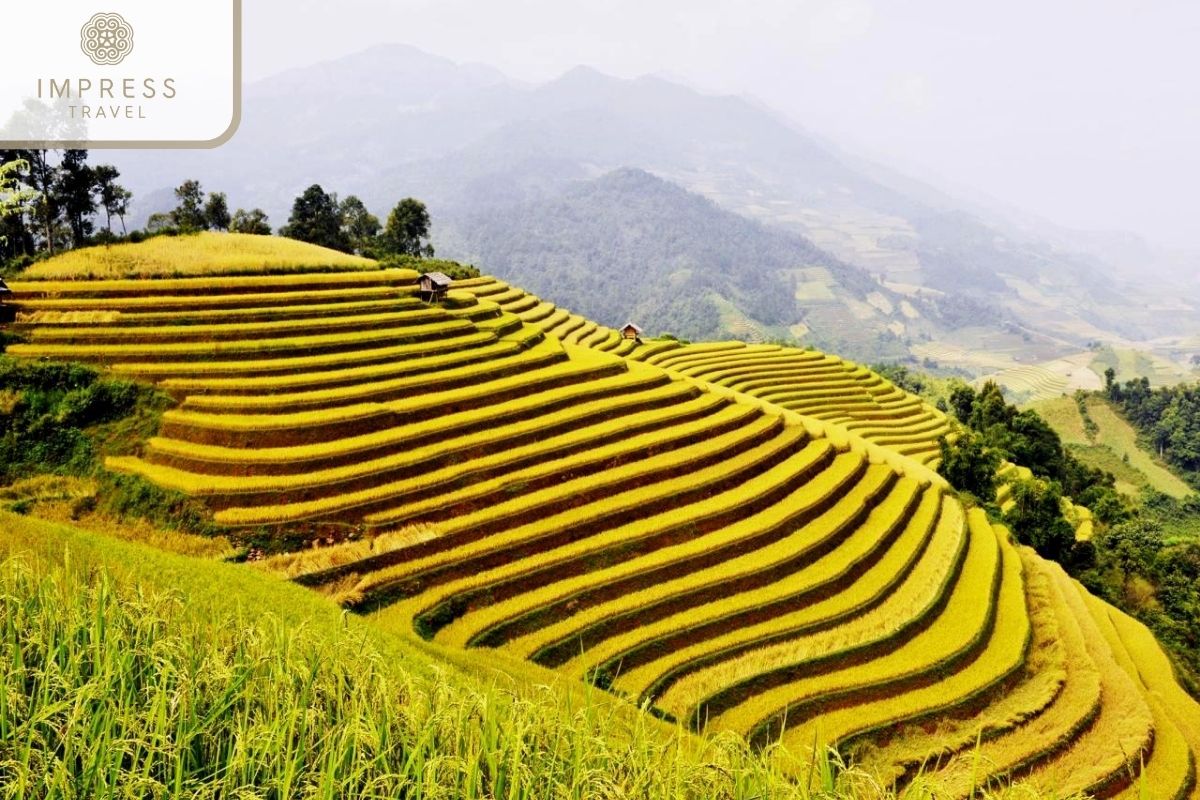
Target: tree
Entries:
(1036, 518)
(161, 222)
(16, 199)
(216, 212)
(188, 216)
(114, 198)
(317, 219)
(969, 466)
(991, 409)
(962, 401)
(254, 222)
(407, 225)
(75, 186)
(46, 208)
(360, 226)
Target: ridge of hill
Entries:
(632, 515)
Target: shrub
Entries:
(453, 269)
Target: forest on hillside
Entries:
(1168, 418)
(631, 244)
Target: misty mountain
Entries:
(483, 150)
(631, 245)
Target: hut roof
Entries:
(636, 328)
(439, 279)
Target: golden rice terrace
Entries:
(738, 537)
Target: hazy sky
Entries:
(1086, 112)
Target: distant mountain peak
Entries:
(394, 63)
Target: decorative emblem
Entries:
(106, 39)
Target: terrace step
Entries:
(38, 313)
(647, 664)
(967, 688)
(214, 285)
(410, 478)
(332, 378)
(787, 694)
(275, 430)
(382, 391)
(752, 552)
(367, 355)
(238, 331)
(202, 305)
(197, 352)
(472, 543)
(459, 437)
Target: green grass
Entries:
(1114, 448)
(1130, 364)
(202, 254)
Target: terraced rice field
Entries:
(737, 537)
(1030, 383)
(814, 384)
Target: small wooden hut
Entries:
(631, 331)
(433, 286)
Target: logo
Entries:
(106, 39)
(158, 74)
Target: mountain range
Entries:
(699, 214)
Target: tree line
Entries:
(50, 202)
(1168, 419)
(320, 218)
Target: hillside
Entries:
(731, 536)
(101, 635)
(629, 245)
(1112, 446)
